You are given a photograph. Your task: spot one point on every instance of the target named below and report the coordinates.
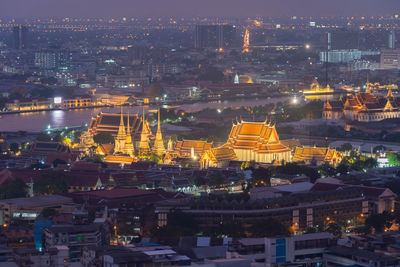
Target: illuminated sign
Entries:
(57, 100)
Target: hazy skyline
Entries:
(131, 8)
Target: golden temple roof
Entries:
(258, 136)
(220, 154)
(320, 154)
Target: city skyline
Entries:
(235, 8)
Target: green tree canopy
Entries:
(212, 74)
(393, 159)
(52, 183)
(346, 147)
(178, 224)
(155, 90)
(334, 229)
(379, 221)
(13, 189)
(43, 137)
(47, 213)
(217, 179)
(260, 177)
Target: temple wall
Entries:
(248, 155)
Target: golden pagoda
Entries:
(158, 147)
(128, 148)
(144, 144)
(120, 140)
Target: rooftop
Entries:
(38, 200)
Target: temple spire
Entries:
(121, 136)
(159, 148)
(129, 149)
(144, 146)
(390, 93)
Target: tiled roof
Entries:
(258, 136)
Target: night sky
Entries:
(132, 8)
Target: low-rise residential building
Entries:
(75, 237)
(27, 209)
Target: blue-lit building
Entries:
(38, 228)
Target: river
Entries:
(37, 121)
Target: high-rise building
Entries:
(216, 36)
(392, 40)
(390, 59)
(340, 56)
(52, 60)
(46, 60)
(20, 34)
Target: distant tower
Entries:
(129, 149)
(236, 81)
(20, 37)
(159, 148)
(246, 41)
(121, 136)
(144, 144)
(392, 40)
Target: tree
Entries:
(155, 90)
(47, 213)
(379, 148)
(268, 228)
(13, 189)
(342, 169)
(327, 170)
(379, 221)
(212, 74)
(394, 186)
(103, 138)
(43, 137)
(52, 183)
(334, 229)
(260, 177)
(155, 158)
(197, 181)
(248, 164)
(178, 224)
(346, 147)
(393, 159)
(217, 179)
(62, 139)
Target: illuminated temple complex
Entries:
(317, 155)
(131, 133)
(363, 107)
(249, 141)
(257, 141)
(110, 123)
(316, 88)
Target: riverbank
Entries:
(38, 121)
(169, 103)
